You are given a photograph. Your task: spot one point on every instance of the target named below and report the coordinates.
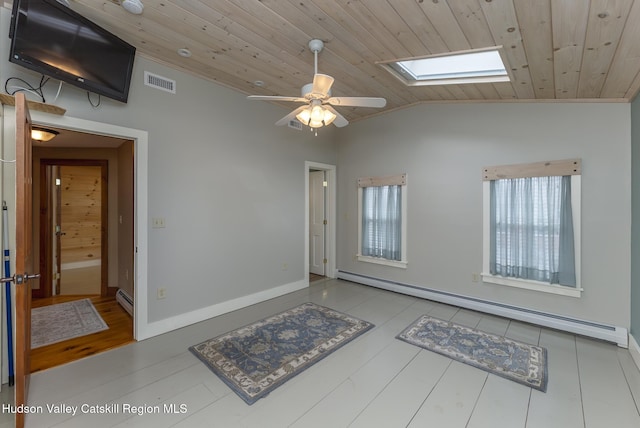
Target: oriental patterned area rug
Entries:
(519, 362)
(63, 321)
(255, 359)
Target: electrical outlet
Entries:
(162, 293)
(285, 266)
(475, 277)
(157, 223)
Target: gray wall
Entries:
(229, 184)
(635, 229)
(443, 147)
(231, 189)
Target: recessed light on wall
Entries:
(184, 52)
(133, 6)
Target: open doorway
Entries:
(74, 211)
(84, 236)
(317, 224)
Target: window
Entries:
(382, 220)
(532, 227)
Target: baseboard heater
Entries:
(609, 333)
(125, 300)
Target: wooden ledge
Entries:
(33, 105)
(537, 169)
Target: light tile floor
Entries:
(375, 381)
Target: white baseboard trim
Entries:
(634, 350)
(168, 324)
(615, 334)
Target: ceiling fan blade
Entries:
(276, 98)
(358, 101)
(321, 85)
(339, 121)
(285, 120)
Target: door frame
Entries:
(47, 235)
(140, 139)
(317, 200)
(330, 209)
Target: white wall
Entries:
(443, 148)
(229, 184)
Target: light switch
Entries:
(157, 223)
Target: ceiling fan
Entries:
(317, 111)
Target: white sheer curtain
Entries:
(382, 222)
(532, 229)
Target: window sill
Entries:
(533, 285)
(380, 261)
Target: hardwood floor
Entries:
(83, 280)
(120, 333)
(315, 277)
(376, 381)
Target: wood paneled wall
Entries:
(81, 207)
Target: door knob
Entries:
(20, 279)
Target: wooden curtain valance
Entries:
(391, 180)
(537, 169)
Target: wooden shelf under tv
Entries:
(33, 105)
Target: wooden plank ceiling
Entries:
(570, 50)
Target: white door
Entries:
(317, 222)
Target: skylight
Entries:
(479, 66)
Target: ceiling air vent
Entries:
(159, 82)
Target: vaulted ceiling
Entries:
(582, 50)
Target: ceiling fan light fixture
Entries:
(42, 134)
(317, 113)
(316, 116)
(315, 124)
(304, 116)
(329, 117)
(307, 117)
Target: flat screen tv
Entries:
(53, 40)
